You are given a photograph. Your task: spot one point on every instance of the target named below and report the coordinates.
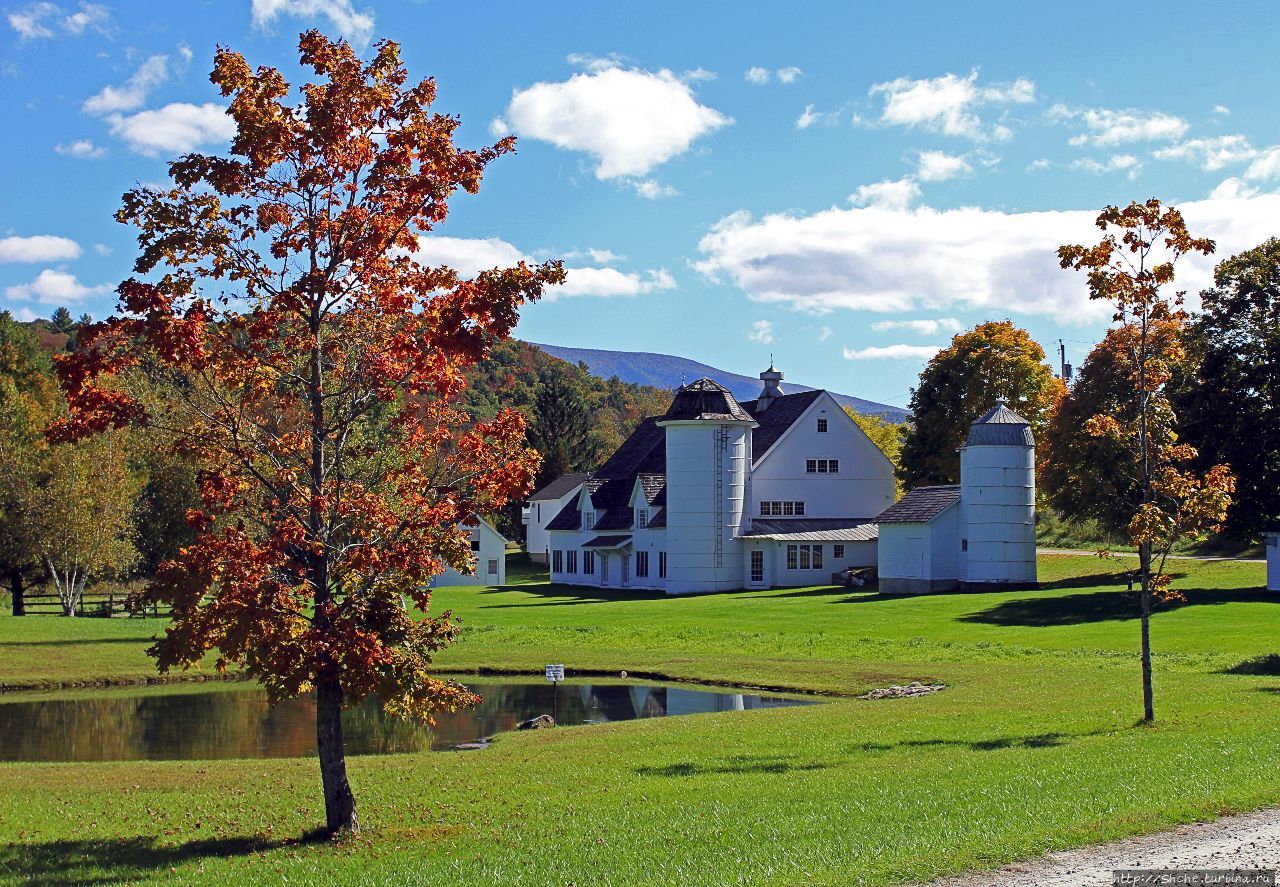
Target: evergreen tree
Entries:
(61, 321)
(562, 427)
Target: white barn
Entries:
(1273, 561)
(717, 495)
(979, 534)
(489, 548)
(543, 506)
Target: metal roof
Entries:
(1000, 427)
(815, 529)
(608, 542)
(706, 400)
(921, 505)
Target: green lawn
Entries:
(1033, 746)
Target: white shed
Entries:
(543, 507)
(919, 549)
(489, 548)
(1273, 561)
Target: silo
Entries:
(998, 502)
(708, 457)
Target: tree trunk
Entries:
(1148, 692)
(18, 591)
(339, 802)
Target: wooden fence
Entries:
(92, 603)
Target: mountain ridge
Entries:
(666, 371)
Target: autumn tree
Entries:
(1132, 269)
(1230, 409)
(316, 365)
(886, 435)
(993, 361)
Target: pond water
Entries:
(236, 721)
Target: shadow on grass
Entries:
(738, 764)
(1038, 740)
(1258, 665)
(118, 860)
(73, 642)
(1103, 606)
(568, 595)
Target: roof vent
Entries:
(772, 387)
(1000, 427)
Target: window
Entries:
(757, 566)
(837, 551)
(571, 561)
(764, 508)
(782, 509)
(642, 518)
(539, 512)
(493, 566)
(588, 520)
(822, 426)
(642, 564)
(475, 544)
(775, 508)
(833, 465)
(804, 557)
(811, 466)
(799, 509)
(662, 565)
(964, 544)
(557, 561)
(822, 466)
(788, 508)
(588, 563)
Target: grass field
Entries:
(1032, 747)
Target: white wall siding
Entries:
(537, 538)
(904, 551)
(1273, 562)
(997, 486)
(707, 465)
(492, 552)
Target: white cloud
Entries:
(898, 194)
(892, 352)
(55, 288)
(825, 333)
(90, 17)
(102, 249)
(38, 248)
(1037, 165)
(1106, 128)
(355, 25)
(789, 74)
(628, 119)
(24, 314)
(37, 21)
(1126, 163)
(894, 259)
(925, 327)
(761, 331)
(757, 76)
(697, 75)
(83, 149)
(1222, 110)
(133, 94)
(469, 256)
(176, 128)
(808, 117)
(949, 104)
(599, 256)
(938, 166)
(1266, 166)
(1211, 153)
(1232, 188)
(651, 189)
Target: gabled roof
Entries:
(705, 400)
(815, 529)
(559, 487)
(655, 487)
(1000, 426)
(780, 414)
(921, 505)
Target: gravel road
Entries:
(1248, 841)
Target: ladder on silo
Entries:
(722, 443)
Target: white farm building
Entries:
(1273, 560)
(978, 534)
(717, 495)
(489, 549)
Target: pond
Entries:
(235, 721)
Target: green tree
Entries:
(1231, 409)
(562, 426)
(61, 321)
(992, 361)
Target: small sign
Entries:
(555, 673)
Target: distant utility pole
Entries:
(1062, 358)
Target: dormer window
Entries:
(822, 426)
(642, 518)
(588, 520)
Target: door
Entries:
(757, 567)
(626, 570)
(604, 568)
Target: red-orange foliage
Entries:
(314, 365)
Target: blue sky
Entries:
(841, 185)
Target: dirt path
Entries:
(1249, 841)
(1172, 557)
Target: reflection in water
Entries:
(237, 722)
